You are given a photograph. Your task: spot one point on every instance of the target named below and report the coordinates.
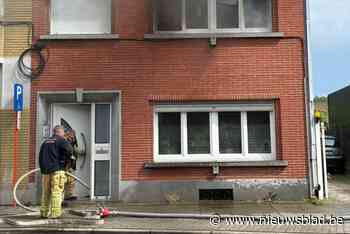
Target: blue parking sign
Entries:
(18, 98)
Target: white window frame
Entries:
(212, 27)
(2, 8)
(215, 155)
(54, 32)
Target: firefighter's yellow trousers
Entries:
(70, 185)
(52, 194)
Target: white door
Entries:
(77, 117)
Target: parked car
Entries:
(334, 155)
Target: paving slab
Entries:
(14, 220)
(71, 224)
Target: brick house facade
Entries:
(187, 84)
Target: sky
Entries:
(330, 45)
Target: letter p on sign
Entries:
(18, 98)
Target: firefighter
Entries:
(71, 166)
(52, 159)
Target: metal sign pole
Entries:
(15, 151)
(18, 120)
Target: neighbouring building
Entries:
(176, 100)
(15, 37)
(339, 121)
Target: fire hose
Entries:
(105, 212)
(32, 172)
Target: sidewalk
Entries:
(75, 224)
(338, 205)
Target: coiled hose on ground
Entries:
(32, 172)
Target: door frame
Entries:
(42, 114)
(114, 151)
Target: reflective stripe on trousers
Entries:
(52, 194)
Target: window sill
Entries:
(157, 36)
(80, 37)
(274, 163)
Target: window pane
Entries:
(169, 16)
(102, 178)
(169, 127)
(102, 123)
(227, 13)
(197, 13)
(256, 13)
(80, 16)
(198, 133)
(230, 133)
(259, 136)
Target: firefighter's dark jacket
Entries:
(54, 153)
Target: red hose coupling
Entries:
(104, 212)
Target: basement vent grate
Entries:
(216, 194)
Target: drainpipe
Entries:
(309, 104)
(324, 162)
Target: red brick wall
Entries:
(185, 70)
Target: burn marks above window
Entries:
(212, 15)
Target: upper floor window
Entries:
(80, 16)
(213, 15)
